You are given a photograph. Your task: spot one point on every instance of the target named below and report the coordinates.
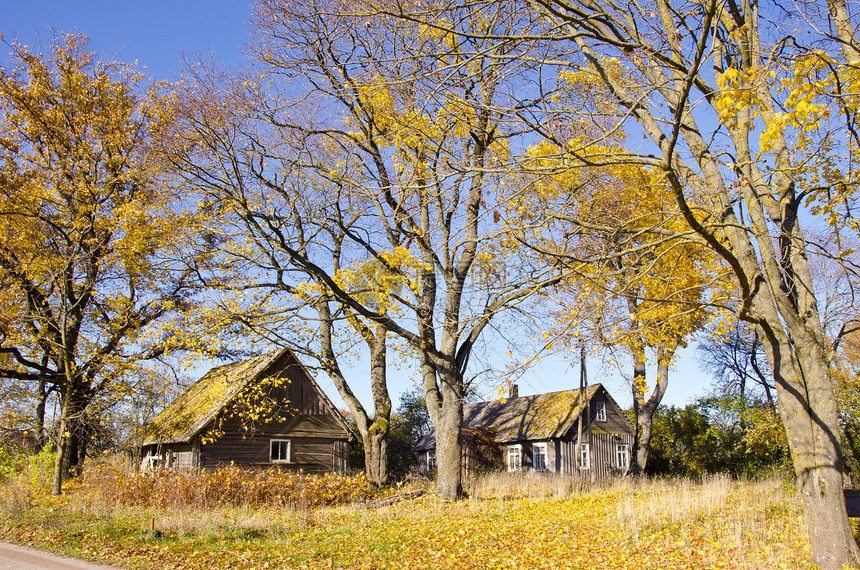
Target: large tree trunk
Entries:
(446, 412)
(61, 461)
(375, 454)
(643, 409)
(375, 457)
(42, 399)
(449, 444)
(642, 435)
(373, 431)
(808, 409)
(69, 440)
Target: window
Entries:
(539, 456)
(622, 458)
(431, 461)
(600, 411)
(515, 457)
(584, 456)
(279, 451)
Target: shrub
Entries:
(228, 486)
(13, 459)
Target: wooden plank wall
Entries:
(603, 459)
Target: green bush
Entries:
(12, 462)
(710, 436)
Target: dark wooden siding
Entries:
(174, 455)
(615, 422)
(603, 457)
(302, 397)
(310, 454)
(318, 441)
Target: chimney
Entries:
(514, 391)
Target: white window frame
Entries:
(431, 460)
(584, 456)
(540, 450)
(289, 454)
(518, 464)
(622, 456)
(600, 411)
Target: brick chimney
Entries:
(514, 391)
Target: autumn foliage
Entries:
(229, 486)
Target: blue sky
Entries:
(155, 33)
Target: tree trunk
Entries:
(60, 461)
(644, 410)
(376, 452)
(42, 399)
(67, 462)
(376, 457)
(807, 407)
(446, 413)
(374, 432)
(449, 444)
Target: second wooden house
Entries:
(540, 433)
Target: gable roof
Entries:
(526, 418)
(191, 412)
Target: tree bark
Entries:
(445, 405)
(643, 409)
(41, 402)
(373, 431)
(808, 410)
(69, 440)
(63, 448)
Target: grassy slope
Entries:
(662, 524)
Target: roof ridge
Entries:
(590, 386)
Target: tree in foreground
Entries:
(88, 240)
(366, 163)
(755, 134)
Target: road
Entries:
(14, 557)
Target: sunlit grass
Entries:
(508, 521)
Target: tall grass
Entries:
(247, 519)
(712, 508)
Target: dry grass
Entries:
(509, 521)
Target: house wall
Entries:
(318, 443)
(170, 455)
(605, 434)
(603, 454)
(291, 411)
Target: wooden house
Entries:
(540, 433)
(265, 411)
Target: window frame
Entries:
(540, 449)
(584, 456)
(289, 453)
(600, 411)
(432, 464)
(519, 455)
(622, 448)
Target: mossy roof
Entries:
(526, 418)
(186, 416)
